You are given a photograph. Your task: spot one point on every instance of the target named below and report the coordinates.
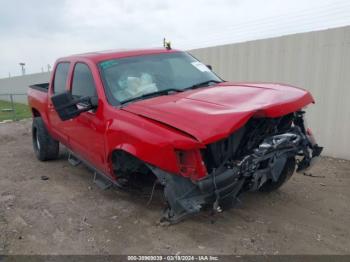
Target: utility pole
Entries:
(22, 67)
(48, 68)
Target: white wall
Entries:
(19, 85)
(317, 61)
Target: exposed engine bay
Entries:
(260, 156)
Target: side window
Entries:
(83, 82)
(61, 75)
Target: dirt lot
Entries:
(69, 214)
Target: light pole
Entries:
(22, 67)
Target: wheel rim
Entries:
(37, 140)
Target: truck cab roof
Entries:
(115, 54)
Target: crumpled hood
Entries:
(212, 113)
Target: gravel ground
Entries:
(69, 214)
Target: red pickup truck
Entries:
(160, 116)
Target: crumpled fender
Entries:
(147, 140)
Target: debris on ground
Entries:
(312, 175)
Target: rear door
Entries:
(59, 85)
(87, 131)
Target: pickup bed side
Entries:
(37, 100)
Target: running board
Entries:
(73, 160)
(101, 181)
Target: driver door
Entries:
(86, 134)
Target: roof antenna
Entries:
(166, 44)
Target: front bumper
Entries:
(222, 187)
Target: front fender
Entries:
(151, 142)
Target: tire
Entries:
(45, 147)
(287, 172)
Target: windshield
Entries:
(130, 78)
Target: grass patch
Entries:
(22, 111)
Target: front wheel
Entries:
(45, 147)
(287, 172)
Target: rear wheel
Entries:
(45, 147)
(287, 172)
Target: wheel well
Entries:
(129, 167)
(35, 113)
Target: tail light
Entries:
(191, 164)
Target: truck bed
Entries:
(37, 98)
(43, 87)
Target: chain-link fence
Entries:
(13, 107)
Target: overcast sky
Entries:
(37, 32)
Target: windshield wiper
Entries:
(153, 94)
(205, 83)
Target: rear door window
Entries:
(83, 81)
(61, 76)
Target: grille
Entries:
(243, 141)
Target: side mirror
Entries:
(66, 105)
(94, 102)
(210, 67)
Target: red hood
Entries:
(213, 113)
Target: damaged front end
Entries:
(262, 155)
